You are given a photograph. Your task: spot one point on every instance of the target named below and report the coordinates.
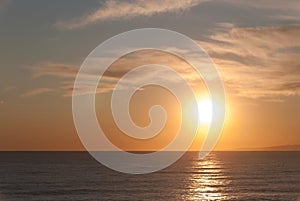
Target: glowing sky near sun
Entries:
(255, 47)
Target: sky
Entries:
(254, 44)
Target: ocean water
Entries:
(76, 176)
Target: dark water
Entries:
(221, 176)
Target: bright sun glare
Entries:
(205, 110)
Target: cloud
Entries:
(258, 62)
(65, 74)
(54, 69)
(38, 91)
(127, 9)
(116, 9)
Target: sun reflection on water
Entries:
(208, 180)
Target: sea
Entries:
(76, 176)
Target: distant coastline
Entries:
(294, 147)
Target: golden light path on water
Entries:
(208, 180)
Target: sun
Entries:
(205, 111)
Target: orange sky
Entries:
(255, 48)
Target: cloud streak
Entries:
(38, 91)
(120, 10)
(66, 73)
(256, 63)
(259, 62)
(115, 9)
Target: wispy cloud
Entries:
(66, 73)
(127, 9)
(116, 9)
(38, 91)
(54, 69)
(258, 62)
(261, 62)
